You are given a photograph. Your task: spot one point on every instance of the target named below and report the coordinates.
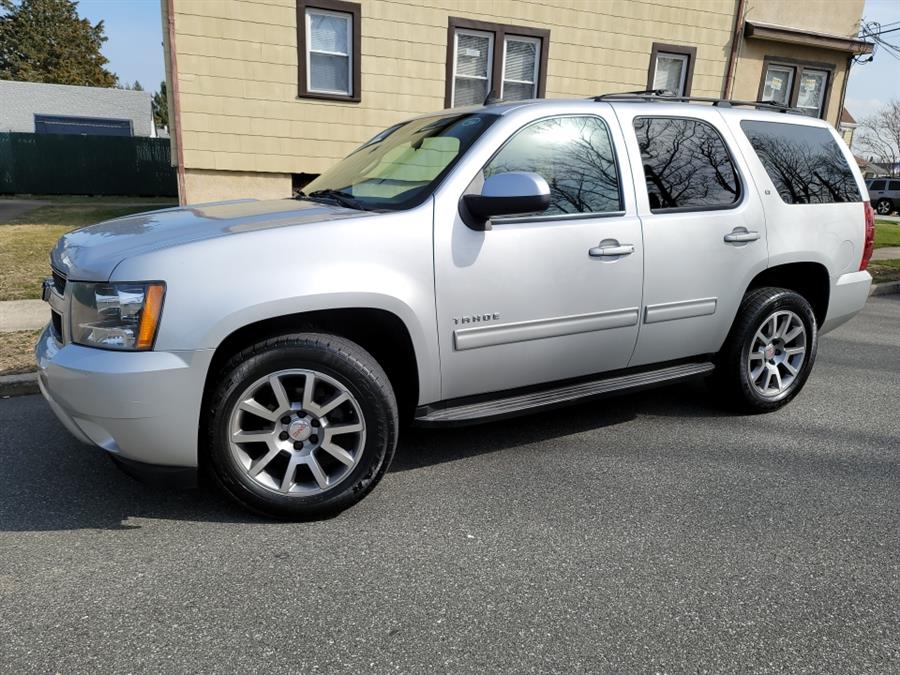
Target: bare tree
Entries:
(880, 136)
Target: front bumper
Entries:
(138, 406)
(848, 297)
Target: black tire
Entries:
(733, 373)
(884, 207)
(338, 358)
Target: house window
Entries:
(778, 84)
(483, 58)
(811, 94)
(328, 33)
(474, 63)
(671, 68)
(796, 84)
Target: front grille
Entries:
(59, 282)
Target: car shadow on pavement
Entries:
(424, 447)
(61, 484)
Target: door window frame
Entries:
(739, 177)
(540, 217)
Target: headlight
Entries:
(116, 315)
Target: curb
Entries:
(18, 385)
(888, 288)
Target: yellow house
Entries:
(265, 94)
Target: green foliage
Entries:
(130, 87)
(46, 41)
(161, 107)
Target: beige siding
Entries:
(237, 68)
(244, 130)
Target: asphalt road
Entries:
(651, 533)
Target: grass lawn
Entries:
(25, 243)
(96, 199)
(884, 270)
(17, 351)
(886, 233)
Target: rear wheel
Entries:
(301, 426)
(770, 351)
(884, 207)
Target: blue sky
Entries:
(135, 50)
(875, 83)
(134, 29)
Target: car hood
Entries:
(93, 252)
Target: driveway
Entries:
(651, 533)
(13, 208)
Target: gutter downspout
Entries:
(176, 98)
(732, 55)
(837, 123)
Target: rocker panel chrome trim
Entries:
(488, 336)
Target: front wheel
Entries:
(884, 207)
(769, 352)
(301, 426)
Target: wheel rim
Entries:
(883, 208)
(777, 353)
(297, 432)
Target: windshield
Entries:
(400, 167)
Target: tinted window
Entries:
(806, 164)
(401, 166)
(574, 155)
(686, 164)
(894, 185)
(877, 185)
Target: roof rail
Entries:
(666, 96)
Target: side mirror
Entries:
(505, 194)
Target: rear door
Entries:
(704, 230)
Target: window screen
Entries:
(686, 164)
(474, 60)
(520, 68)
(329, 51)
(806, 164)
(574, 154)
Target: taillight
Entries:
(869, 246)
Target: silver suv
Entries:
(884, 193)
(456, 268)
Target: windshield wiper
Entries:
(342, 198)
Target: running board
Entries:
(512, 405)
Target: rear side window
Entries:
(894, 185)
(877, 185)
(575, 156)
(805, 163)
(686, 164)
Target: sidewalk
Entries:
(18, 315)
(886, 253)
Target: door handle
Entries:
(740, 235)
(611, 251)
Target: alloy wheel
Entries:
(777, 353)
(297, 432)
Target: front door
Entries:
(704, 230)
(546, 296)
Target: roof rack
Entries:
(668, 96)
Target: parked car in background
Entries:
(458, 267)
(884, 193)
